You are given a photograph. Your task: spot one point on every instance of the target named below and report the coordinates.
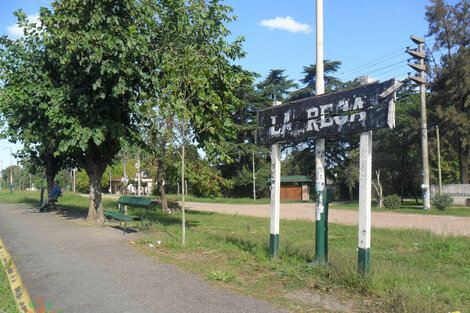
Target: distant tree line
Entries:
(102, 81)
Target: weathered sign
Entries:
(352, 111)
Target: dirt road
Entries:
(439, 224)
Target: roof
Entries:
(294, 179)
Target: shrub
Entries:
(392, 202)
(441, 202)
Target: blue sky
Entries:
(369, 37)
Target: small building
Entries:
(117, 186)
(295, 187)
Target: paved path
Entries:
(84, 269)
(439, 224)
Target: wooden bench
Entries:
(51, 204)
(122, 216)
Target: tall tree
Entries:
(26, 95)
(99, 52)
(332, 83)
(396, 152)
(242, 148)
(195, 82)
(276, 86)
(449, 24)
(450, 100)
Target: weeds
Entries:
(224, 276)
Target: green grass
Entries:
(411, 270)
(7, 301)
(189, 198)
(409, 207)
(426, 274)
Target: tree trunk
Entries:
(95, 173)
(464, 151)
(51, 171)
(161, 188)
(378, 189)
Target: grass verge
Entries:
(412, 270)
(7, 301)
(408, 207)
(189, 198)
(427, 273)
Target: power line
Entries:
(400, 64)
(390, 55)
(369, 67)
(375, 60)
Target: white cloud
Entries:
(287, 23)
(15, 31)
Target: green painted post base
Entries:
(274, 246)
(363, 261)
(320, 238)
(321, 233)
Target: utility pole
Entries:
(138, 175)
(254, 178)
(110, 182)
(321, 256)
(124, 178)
(74, 171)
(439, 160)
(421, 80)
(275, 197)
(365, 197)
(183, 189)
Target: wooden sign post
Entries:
(321, 240)
(275, 197)
(357, 110)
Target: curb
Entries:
(20, 293)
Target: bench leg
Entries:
(104, 220)
(125, 226)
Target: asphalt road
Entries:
(91, 269)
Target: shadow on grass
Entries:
(169, 220)
(262, 248)
(72, 212)
(29, 201)
(129, 229)
(244, 244)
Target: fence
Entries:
(459, 192)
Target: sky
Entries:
(369, 37)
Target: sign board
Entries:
(352, 111)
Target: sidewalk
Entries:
(92, 270)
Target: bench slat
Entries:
(135, 201)
(122, 217)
